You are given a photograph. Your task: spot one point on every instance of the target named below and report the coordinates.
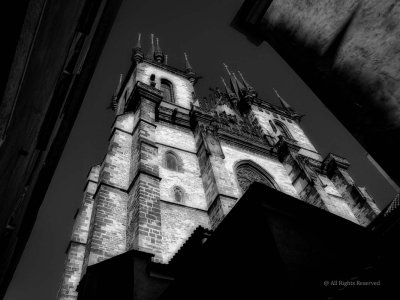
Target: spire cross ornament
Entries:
(138, 42)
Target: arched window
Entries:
(282, 129)
(172, 161)
(168, 91)
(178, 194)
(248, 172)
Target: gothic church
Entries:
(176, 161)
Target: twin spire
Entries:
(242, 89)
(238, 89)
(156, 53)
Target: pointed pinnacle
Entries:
(227, 69)
(166, 59)
(240, 85)
(283, 102)
(223, 81)
(151, 51)
(244, 81)
(119, 85)
(138, 45)
(157, 44)
(187, 64)
(227, 89)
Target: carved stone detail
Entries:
(246, 175)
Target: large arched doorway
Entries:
(248, 172)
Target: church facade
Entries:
(176, 162)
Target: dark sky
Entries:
(201, 28)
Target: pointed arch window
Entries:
(168, 91)
(248, 172)
(282, 129)
(172, 161)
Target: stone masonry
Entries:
(172, 165)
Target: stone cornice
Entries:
(102, 183)
(138, 173)
(247, 145)
(142, 90)
(173, 116)
(184, 206)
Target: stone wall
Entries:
(77, 246)
(178, 222)
(182, 88)
(264, 116)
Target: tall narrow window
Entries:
(171, 162)
(282, 129)
(167, 89)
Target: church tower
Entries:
(176, 162)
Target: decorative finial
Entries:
(138, 45)
(226, 87)
(189, 70)
(114, 104)
(137, 52)
(284, 104)
(166, 59)
(234, 85)
(227, 69)
(187, 63)
(231, 94)
(119, 84)
(245, 82)
(158, 54)
(151, 51)
(240, 85)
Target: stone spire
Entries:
(166, 59)
(227, 89)
(234, 85)
(158, 54)
(284, 104)
(189, 69)
(152, 49)
(137, 52)
(249, 91)
(248, 86)
(231, 95)
(239, 84)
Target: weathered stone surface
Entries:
(77, 247)
(182, 87)
(178, 222)
(144, 203)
